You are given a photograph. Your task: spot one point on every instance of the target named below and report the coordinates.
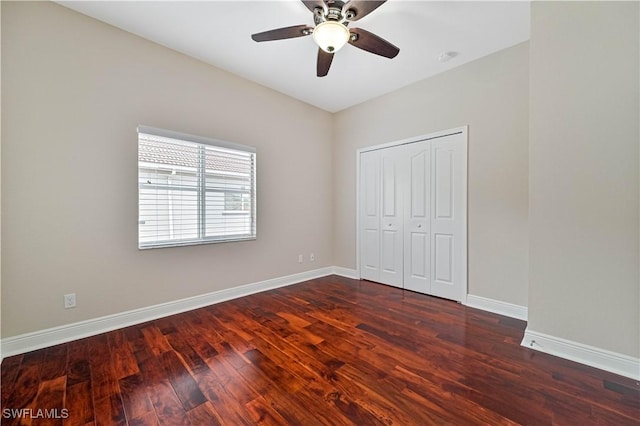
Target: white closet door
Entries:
(370, 215)
(448, 221)
(391, 248)
(417, 217)
(412, 215)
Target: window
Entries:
(193, 190)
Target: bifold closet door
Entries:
(395, 216)
(381, 216)
(391, 226)
(417, 217)
(369, 193)
(448, 217)
(412, 213)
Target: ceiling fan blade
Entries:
(282, 33)
(324, 62)
(312, 4)
(362, 8)
(372, 43)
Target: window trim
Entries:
(142, 129)
(194, 138)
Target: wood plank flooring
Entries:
(330, 351)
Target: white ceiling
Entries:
(219, 33)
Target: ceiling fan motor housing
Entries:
(333, 11)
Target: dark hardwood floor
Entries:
(329, 351)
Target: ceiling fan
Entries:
(331, 18)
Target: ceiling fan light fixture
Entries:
(331, 36)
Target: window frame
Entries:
(201, 190)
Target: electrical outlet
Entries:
(69, 300)
(312, 257)
(300, 258)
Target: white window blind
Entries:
(193, 190)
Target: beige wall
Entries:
(74, 91)
(491, 96)
(584, 183)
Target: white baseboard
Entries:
(595, 357)
(497, 307)
(603, 359)
(66, 333)
(346, 272)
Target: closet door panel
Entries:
(392, 219)
(370, 215)
(448, 224)
(443, 254)
(417, 218)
